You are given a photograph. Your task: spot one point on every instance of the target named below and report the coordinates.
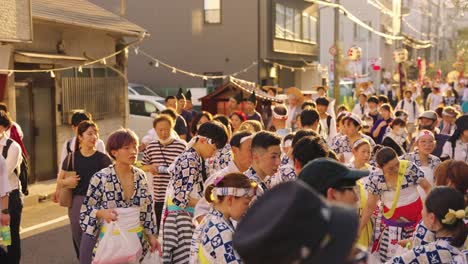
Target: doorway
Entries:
(35, 113)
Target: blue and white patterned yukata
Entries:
(106, 192)
(263, 185)
(342, 146)
(220, 159)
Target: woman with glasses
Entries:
(394, 185)
(422, 157)
(188, 173)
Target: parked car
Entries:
(142, 111)
(142, 90)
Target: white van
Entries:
(140, 89)
(142, 111)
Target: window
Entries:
(142, 108)
(212, 11)
(280, 21)
(289, 23)
(293, 24)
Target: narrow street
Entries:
(46, 236)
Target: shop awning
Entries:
(44, 58)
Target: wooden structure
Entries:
(216, 101)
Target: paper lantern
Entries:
(452, 76)
(354, 53)
(400, 55)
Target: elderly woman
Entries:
(295, 99)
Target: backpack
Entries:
(24, 168)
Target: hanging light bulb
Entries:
(126, 51)
(281, 67)
(292, 69)
(80, 69)
(52, 74)
(205, 78)
(303, 69)
(156, 64)
(174, 70)
(10, 73)
(104, 61)
(136, 50)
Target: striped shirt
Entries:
(159, 155)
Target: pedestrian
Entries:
(188, 173)
(434, 99)
(11, 152)
(266, 159)
(223, 156)
(234, 103)
(327, 121)
(343, 146)
(249, 109)
(85, 161)
(4, 211)
(450, 98)
(189, 105)
(310, 119)
(69, 145)
(380, 126)
(286, 149)
(456, 146)
(361, 108)
(157, 157)
(119, 186)
(396, 137)
(373, 104)
(181, 103)
(449, 116)
(295, 100)
(316, 231)
(229, 196)
(278, 120)
(340, 127)
(428, 121)
(153, 136)
(443, 213)
(200, 119)
(409, 105)
(251, 125)
(181, 126)
(394, 185)
(307, 149)
(237, 118)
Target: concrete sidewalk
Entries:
(40, 191)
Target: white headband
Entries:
(242, 140)
(360, 141)
(423, 133)
(287, 143)
(276, 116)
(236, 192)
(195, 139)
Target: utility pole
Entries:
(337, 62)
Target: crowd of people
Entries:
(383, 182)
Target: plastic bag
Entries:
(120, 243)
(152, 258)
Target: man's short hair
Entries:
(265, 139)
(309, 117)
(79, 117)
(322, 101)
(309, 148)
(169, 98)
(373, 99)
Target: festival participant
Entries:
(315, 231)
(343, 146)
(327, 122)
(380, 126)
(189, 105)
(295, 100)
(383, 100)
(340, 127)
(4, 212)
(278, 120)
(361, 108)
(456, 146)
(310, 119)
(444, 213)
(157, 157)
(308, 104)
(449, 116)
(428, 121)
(422, 157)
(223, 156)
(450, 98)
(250, 112)
(342, 108)
(266, 159)
(306, 149)
(198, 120)
(234, 103)
(151, 135)
(434, 99)
(241, 143)
(396, 137)
(237, 118)
(251, 125)
(185, 189)
(85, 160)
(11, 152)
(394, 184)
(229, 196)
(121, 185)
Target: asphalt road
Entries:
(46, 235)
